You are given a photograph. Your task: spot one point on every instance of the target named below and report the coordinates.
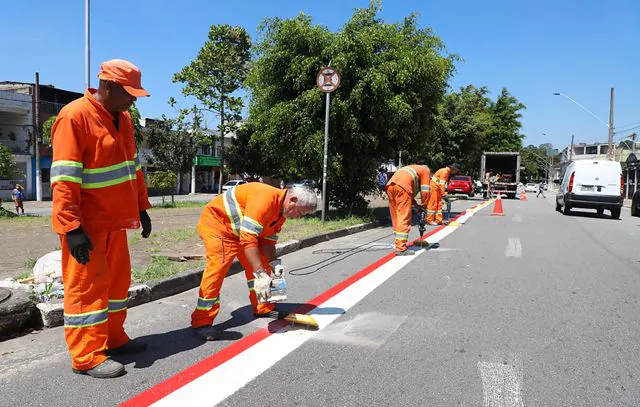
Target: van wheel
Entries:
(566, 210)
(558, 207)
(599, 211)
(615, 213)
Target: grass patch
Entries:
(22, 276)
(296, 229)
(24, 219)
(180, 204)
(162, 267)
(29, 263)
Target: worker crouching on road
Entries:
(99, 192)
(244, 222)
(401, 190)
(438, 191)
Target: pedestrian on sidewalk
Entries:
(18, 198)
(401, 190)
(244, 222)
(438, 191)
(382, 180)
(541, 190)
(99, 192)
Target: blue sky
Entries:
(579, 47)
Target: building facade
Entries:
(18, 130)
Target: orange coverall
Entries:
(403, 186)
(438, 190)
(249, 215)
(98, 184)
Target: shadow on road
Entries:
(166, 344)
(592, 215)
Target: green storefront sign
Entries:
(206, 161)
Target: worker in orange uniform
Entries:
(99, 192)
(244, 222)
(438, 191)
(402, 188)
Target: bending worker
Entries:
(99, 192)
(402, 188)
(244, 222)
(438, 191)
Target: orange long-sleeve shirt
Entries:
(413, 179)
(96, 176)
(251, 212)
(440, 179)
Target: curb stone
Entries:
(52, 312)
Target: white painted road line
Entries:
(212, 380)
(514, 248)
(221, 382)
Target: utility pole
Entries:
(37, 134)
(195, 159)
(571, 149)
(87, 80)
(221, 144)
(610, 149)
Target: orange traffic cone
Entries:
(523, 196)
(497, 208)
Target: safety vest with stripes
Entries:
(96, 175)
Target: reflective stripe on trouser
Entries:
(95, 298)
(400, 209)
(220, 251)
(434, 211)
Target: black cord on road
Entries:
(347, 252)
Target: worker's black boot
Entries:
(105, 370)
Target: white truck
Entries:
(505, 167)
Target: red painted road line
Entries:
(191, 373)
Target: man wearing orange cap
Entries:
(99, 192)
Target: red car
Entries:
(461, 184)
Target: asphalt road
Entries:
(532, 308)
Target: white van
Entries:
(595, 184)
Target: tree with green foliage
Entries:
(216, 74)
(137, 127)
(174, 141)
(392, 78)
(46, 130)
(535, 162)
(8, 167)
(469, 123)
(164, 182)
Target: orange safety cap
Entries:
(126, 74)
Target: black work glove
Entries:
(145, 220)
(79, 245)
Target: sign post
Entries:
(327, 80)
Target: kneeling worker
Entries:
(401, 190)
(244, 222)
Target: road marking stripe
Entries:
(215, 378)
(514, 248)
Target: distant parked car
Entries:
(461, 184)
(307, 183)
(531, 187)
(635, 204)
(233, 183)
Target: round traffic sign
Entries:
(328, 79)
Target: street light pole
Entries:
(87, 59)
(610, 149)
